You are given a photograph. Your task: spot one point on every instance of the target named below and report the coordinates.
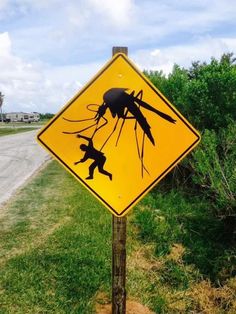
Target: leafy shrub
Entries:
(204, 93)
(214, 169)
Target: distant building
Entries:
(22, 117)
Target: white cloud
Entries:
(158, 20)
(5, 44)
(119, 13)
(78, 16)
(37, 86)
(200, 50)
(23, 6)
(52, 46)
(3, 4)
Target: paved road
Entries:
(20, 157)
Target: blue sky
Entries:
(50, 48)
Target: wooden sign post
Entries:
(119, 249)
(118, 264)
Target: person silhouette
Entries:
(96, 155)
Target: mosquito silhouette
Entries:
(123, 105)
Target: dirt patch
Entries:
(211, 300)
(132, 307)
(143, 259)
(103, 306)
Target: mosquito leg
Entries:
(140, 94)
(87, 128)
(123, 122)
(76, 132)
(110, 134)
(99, 127)
(136, 138)
(69, 120)
(140, 152)
(142, 155)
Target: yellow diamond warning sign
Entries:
(119, 135)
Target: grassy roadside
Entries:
(15, 130)
(15, 124)
(55, 252)
(18, 127)
(185, 263)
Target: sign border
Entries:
(116, 56)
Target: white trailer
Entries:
(22, 117)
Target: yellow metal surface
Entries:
(131, 146)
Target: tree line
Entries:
(46, 116)
(205, 94)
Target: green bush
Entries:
(204, 93)
(214, 169)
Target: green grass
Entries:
(176, 218)
(192, 249)
(15, 124)
(55, 251)
(15, 130)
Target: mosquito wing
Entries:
(148, 107)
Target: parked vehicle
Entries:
(22, 117)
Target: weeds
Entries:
(8, 131)
(55, 252)
(55, 247)
(188, 243)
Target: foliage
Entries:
(212, 93)
(55, 247)
(205, 93)
(15, 130)
(195, 205)
(46, 116)
(181, 218)
(193, 257)
(215, 168)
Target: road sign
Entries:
(119, 135)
